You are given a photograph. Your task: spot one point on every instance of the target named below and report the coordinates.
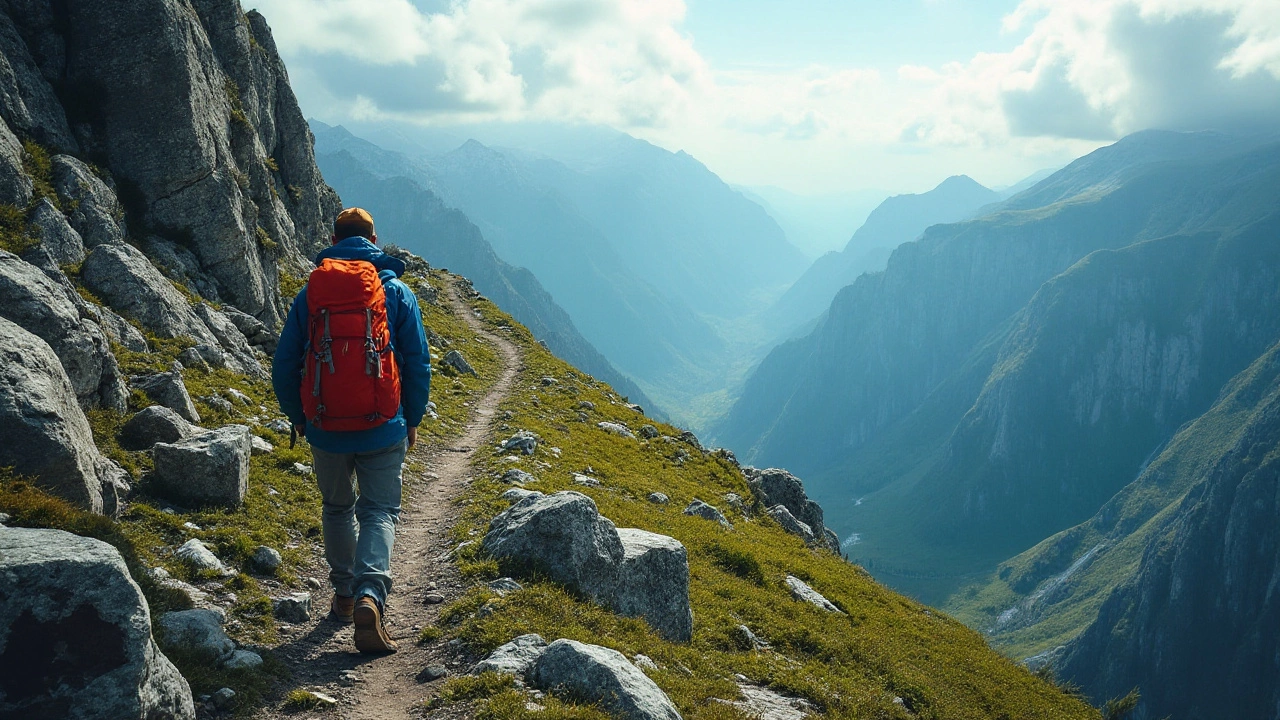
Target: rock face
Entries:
(168, 389)
(76, 634)
(46, 435)
(653, 583)
(601, 675)
(635, 573)
(123, 277)
(96, 214)
(57, 238)
(155, 424)
(44, 308)
(562, 535)
(211, 468)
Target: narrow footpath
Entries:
(321, 654)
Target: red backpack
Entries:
(349, 380)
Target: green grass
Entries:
(848, 666)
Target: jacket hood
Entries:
(358, 248)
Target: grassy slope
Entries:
(1121, 531)
(287, 519)
(850, 666)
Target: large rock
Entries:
(168, 389)
(46, 435)
(121, 331)
(774, 487)
(96, 213)
(241, 357)
(75, 635)
(28, 102)
(61, 241)
(123, 277)
(601, 675)
(783, 516)
(653, 583)
(698, 508)
(155, 424)
(562, 535)
(801, 591)
(198, 632)
(49, 310)
(211, 468)
(513, 658)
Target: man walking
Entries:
(352, 372)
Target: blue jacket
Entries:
(408, 341)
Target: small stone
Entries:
(616, 429)
(294, 608)
(199, 556)
(802, 592)
(192, 526)
(513, 658)
(431, 673)
(505, 585)
(648, 432)
(523, 441)
(700, 509)
(549, 381)
(217, 403)
(587, 480)
(745, 639)
(658, 498)
(243, 660)
(312, 583)
(516, 476)
(586, 405)
(5, 518)
(239, 397)
(265, 560)
(223, 698)
(516, 495)
(261, 447)
(486, 610)
(455, 360)
(433, 599)
(350, 677)
(278, 425)
(302, 469)
(644, 662)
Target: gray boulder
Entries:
(801, 591)
(513, 658)
(49, 310)
(659, 498)
(653, 583)
(96, 213)
(295, 608)
(783, 516)
(562, 535)
(779, 487)
(197, 631)
(211, 468)
(241, 356)
(75, 634)
(265, 560)
(700, 509)
(601, 675)
(155, 424)
(253, 329)
(46, 434)
(616, 429)
(63, 244)
(518, 495)
(649, 432)
(15, 185)
(516, 476)
(168, 389)
(454, 359)
(523, 441)
(121, 331)
(243, 660)
(127, 281)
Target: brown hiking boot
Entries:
(371, 636)
(342, 609)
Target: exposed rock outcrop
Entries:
(599, 674)
(776, 488)
(75, 634)
(96, 213)
(653, 583)
(46, 435)
(48, 310)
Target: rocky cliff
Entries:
(157, 178)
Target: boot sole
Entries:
(370, 636)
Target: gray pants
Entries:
(360, 558)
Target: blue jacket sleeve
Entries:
(286, 366)
(412, 354)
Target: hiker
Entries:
(352, 372)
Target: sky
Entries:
(814, 96)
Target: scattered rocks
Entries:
(766, 704)
(601, 675)
(616, 429)
(700, 509)
(196, 554)
(294, 608)
(197, 631)
(648, 432)
(653, 583)
(210, 468)
(802, 592)
(658, 498)
(454, 359)
(168, 389)
(155, 424)
(265, 560)
(523, 441)
(73, 596)
(513, 658)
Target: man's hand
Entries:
(413, 437)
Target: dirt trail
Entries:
(321, 653)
